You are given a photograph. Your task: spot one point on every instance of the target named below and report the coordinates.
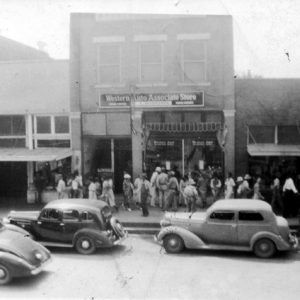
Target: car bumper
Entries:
(120, 240)
(38, 269)
(293, 240)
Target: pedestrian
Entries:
(78, 178)
(191, 195)
(61, 187)
(173, 189)
(229, 186)
(182, 184)
(276, 201)
(74, 187)
(257, 190)
(154, 189)
(127, 192)
(39, 182)
(239, 187)
(108, 193)
(137, 192)
(145, 194)
(162, 183)
(289, 195)
(245, 188)
(98, 188)
(215, 185)
(202, 184)
(92, 189)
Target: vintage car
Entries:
(237, 224)
(19, 255)
(80, 223)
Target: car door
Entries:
(220, 228)
(70, 224)
(48, 226)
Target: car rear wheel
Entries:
(173, 243)
(264, 248)
(85, 245)
(5, 275)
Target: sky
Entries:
(266, 32)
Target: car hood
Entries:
(23, 215)
(23, 247)
(184, 216)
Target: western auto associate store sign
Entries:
(152, 100)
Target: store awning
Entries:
(273, 150)
(41, 154)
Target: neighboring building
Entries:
(34, 122)
(151, 89)
(267, 127)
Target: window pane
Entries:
(62, 124)
(102, 154)
(151, 73)
(12, 143)
(70, 215)
(289, 135)
(250, 216)
(261, 134)
(5, 125)
(194, 72)
(151, 53)
(109, 74)
(18, 125)
(43, 124)
(109, 54)
(54, 143)
(222, 215)
(193, 50)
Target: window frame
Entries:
(222, 212)
(250, 212)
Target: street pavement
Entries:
(140, 269)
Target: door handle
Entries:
(61, 224)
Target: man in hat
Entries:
(191, 195)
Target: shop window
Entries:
(13, 143)
(289, 135)
(193, 61)
(53, 143)
(109, 63)
(61, 124)
(261, 134)
(12, 125)
(43, 124)
(213, 117)
(151, 62)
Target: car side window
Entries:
(70, 215)
(222, 216)
(50, 214)
(250, 216)
(87, 216)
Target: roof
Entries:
(40, 154)
(273, 150)
(77, 203)
(245, 204)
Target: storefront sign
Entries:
(202, 143)
(152, 100)
(164, 143)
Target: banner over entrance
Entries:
(152, 100)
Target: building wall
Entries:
(218, 88)
(263, 102)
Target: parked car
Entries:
(19, 255)
(80, 223)
(237, 224)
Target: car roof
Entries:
(244, 204)
(80, 204)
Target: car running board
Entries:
(54, 244)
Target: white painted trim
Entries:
(109, 39)
(150, 37)
(154, 84)
(193, 36)
(194, 83)
(229, 112)
(108, 86)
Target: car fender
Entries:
(100, 237)
(277, 239)
(190, 239)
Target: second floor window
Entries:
(151, 62)
(109, 63)
(193, 61)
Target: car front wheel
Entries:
(85, 245)
(173, 243)
(5, 275)
(264, 248)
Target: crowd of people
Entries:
(168, 190)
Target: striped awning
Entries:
(41, 154)
(273, 150)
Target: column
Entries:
(137, 149)
(229, 152)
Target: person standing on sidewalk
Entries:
(173, 188)
(256, 190)
(162, 183)
(145, 194)
(127, 192)
(108, 193)
(92, 189)
(154, 188)
(289, 195)
(215, 185)
(191, 195)
(276, 202)
(229, 186)
(61, 187)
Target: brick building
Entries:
(151, 89)
(267, 127)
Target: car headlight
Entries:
(38, 256)
(5, 220)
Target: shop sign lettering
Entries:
(202, 143)
(152, 100)
(164, 143)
